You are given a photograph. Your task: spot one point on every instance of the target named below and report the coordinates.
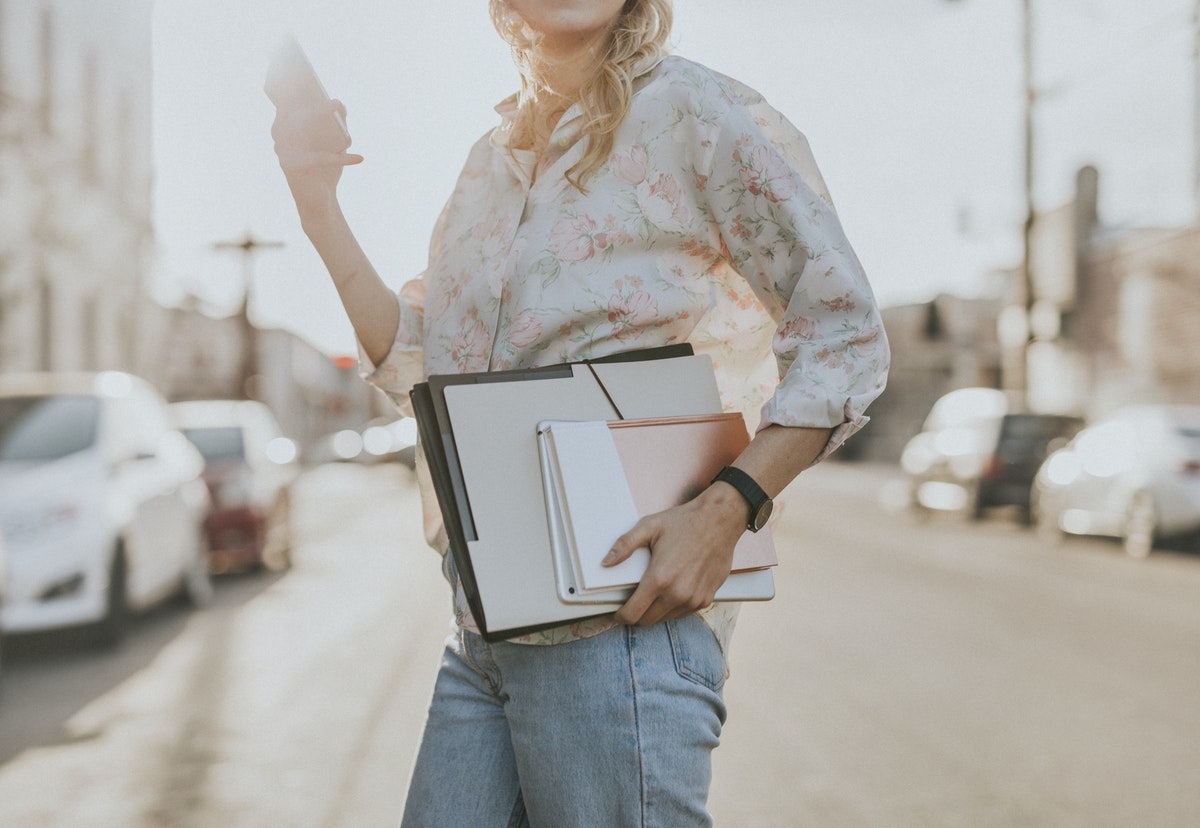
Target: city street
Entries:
(908, 674)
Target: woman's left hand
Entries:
(691, 553)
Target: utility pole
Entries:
(248, 247)
(1196, 106)
(1015, 356)
(1028, 105)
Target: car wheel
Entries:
(1045, 523)
(976, 501)
(1141, 522)
(277, 543)
(914, 508)
(197, 587)
(110, 629)
(1025, 515)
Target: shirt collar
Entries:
(507, 108)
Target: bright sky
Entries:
(912, 110)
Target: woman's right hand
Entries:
(312, 172)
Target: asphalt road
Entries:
(958, 674)
(933, 674)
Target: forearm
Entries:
(774, 458)
(777, 454)
(312, 176)
(370, 304)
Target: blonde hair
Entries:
(638, 38)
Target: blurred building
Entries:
(312, 395)
(1136, 328)
(76, 240)
(1113, 319)
(1116, 312)
(77, 244)
(937, 346)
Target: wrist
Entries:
(758, 502)
(320, 228)
(322, 220)
(727, 502)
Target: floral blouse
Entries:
(710, 223)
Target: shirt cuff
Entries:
(816, 416)
(403, 366)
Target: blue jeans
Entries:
(606, 732)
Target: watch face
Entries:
(763, 515)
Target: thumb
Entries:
(641, 535)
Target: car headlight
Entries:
(1063, 468)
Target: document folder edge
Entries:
(427, 399)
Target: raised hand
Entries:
(312, 170)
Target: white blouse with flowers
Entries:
(709, 224)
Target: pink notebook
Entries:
(608, 474)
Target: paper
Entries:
(610, 474)
(597, 503)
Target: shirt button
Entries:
(564, 142)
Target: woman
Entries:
(627, 199)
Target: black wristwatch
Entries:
(760, 503)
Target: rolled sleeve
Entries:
(783, 236)
(403, 366)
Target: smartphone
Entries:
(292, 83)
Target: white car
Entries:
(3, 585)
(1133, 476)
(101, 502)
(249, 468)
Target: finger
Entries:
(655, 596)
(643, 534)
(663, 609)
(666, 600)
(301, 160)
(637, 606)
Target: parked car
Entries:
(249, 469)
(101, 503)
(975, 452)
(1133, 476)
(3, 594)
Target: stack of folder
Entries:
(537, 472)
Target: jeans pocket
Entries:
(698, 656)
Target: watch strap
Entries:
(748, 487)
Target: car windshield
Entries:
(1190, 435)
(1034, 426)
(45, 428)
(1027, 437)
(223, 443)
